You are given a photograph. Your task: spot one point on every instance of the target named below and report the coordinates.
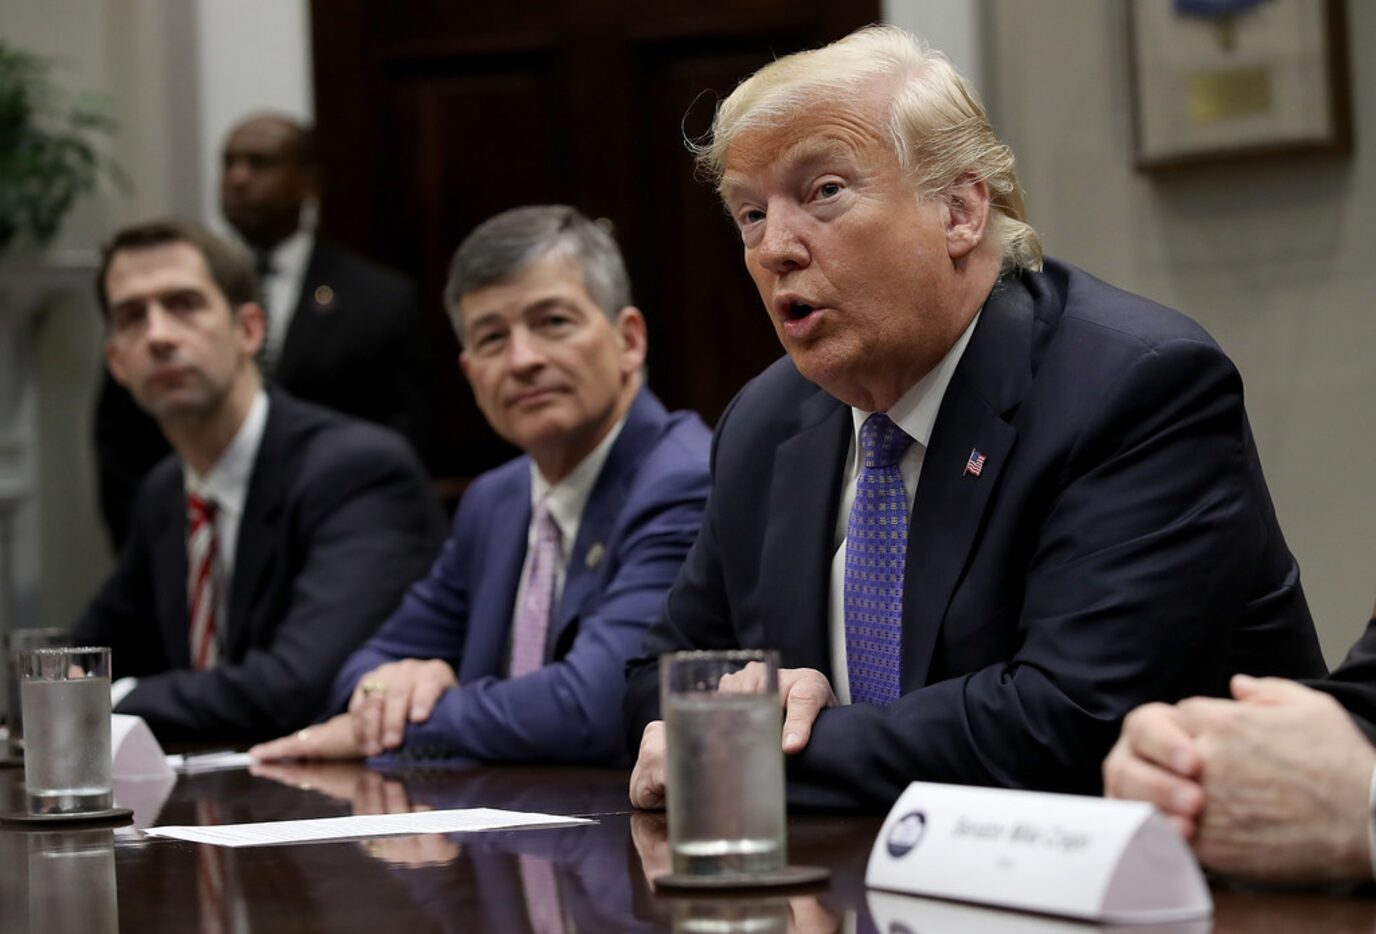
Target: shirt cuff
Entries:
(1371, 821)
(125, 686)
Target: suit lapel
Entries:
(584, 568)
(504, 543)
(795, 563)
(255, 552)
(991, 380)
(169, 554)
(307, 321)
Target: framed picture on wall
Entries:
(1221, 79)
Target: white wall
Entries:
(59, 551)
(1275, 259)
(177, 75)
(953, 26)
(252, 55)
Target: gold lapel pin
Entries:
(324, 298)
(595, 554)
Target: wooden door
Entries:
(433, 116)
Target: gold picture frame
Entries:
(1226, 79)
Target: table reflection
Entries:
(598, 877)
(71, 881)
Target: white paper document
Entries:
(364, 825)
(209, 762)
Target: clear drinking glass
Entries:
(725, 763)
(21, 640)
(66, 695)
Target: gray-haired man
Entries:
(512, 648)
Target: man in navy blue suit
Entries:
(513, 647)
(987, 504)
(278, 537)
(341, 332)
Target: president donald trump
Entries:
(987, 504)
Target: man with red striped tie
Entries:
(274, 540)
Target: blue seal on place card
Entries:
(906, 834)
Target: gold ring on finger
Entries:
(374, 686)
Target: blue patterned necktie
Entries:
(876, 547)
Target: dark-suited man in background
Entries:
(987, 504)
(513, 648)
(1277, 785)
(341, 331)
(279, 536)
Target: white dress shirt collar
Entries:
(569, 497)
(291, 255)
(226, 483)
(281, 290)
(916, 410)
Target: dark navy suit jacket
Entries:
(337, 522)
(638, 525)
(1353, 682)
(1119, 546)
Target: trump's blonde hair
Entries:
(935, 122)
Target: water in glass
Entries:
(725, 783)
(67, 746)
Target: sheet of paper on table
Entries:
(364, 825)
(209, 762)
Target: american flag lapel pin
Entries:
(974, 464)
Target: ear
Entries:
(967, 214)
(466, 365)
(251, 322)
(630, 333)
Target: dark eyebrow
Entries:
(546, 303)
(128, 305)
(484, 320)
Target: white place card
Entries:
(135, 753)
(1079, 857)
(144, 796)
(319, 829)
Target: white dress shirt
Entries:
(226, 485)
(1371, 822)
(915, 412)
(281, 289)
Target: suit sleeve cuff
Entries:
(1371, 821)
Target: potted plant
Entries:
(47, 152)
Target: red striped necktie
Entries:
(202, 586)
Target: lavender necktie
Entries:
(876, 548)
(532, 619)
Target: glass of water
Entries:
(17, 641)
(66, 695)
(725, 782)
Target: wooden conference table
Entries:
(590, 878)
